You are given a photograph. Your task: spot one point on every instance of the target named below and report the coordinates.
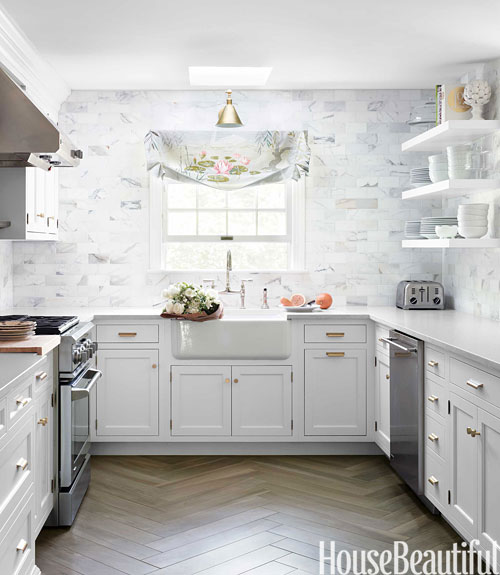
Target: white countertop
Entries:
(456, 331)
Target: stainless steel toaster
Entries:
(420, 295)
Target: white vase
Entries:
(477, 111)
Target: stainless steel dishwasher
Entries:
(407, 408)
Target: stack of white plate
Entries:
(459, 162)
(428, 226)
(473, 220)
(14, 330)
(419, 177)
(438, 167)
(412, 230)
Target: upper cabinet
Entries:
(29, 201)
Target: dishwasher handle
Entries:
(392, 341)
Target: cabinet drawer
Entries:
(435, 477)
(435, 398)
(328, 333)
(17, 555)
(20, 401)
(127, 333)
(478, 382)
(16, 468)
(435, 436)
(435, 361)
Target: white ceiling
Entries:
(149, 44)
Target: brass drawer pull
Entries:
(387, 376)
(433, 363)
(235, 380)
(22, 546)
(41, 376)
(432, 480)
(433, 437)
(472, 432)
(127, 333)
(23, 402)
(43, 421)
(335, 354)
(474, 385)
(22, 464)
(433, 398)
(335, 334)
(41, 215)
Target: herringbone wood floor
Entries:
(231, 515)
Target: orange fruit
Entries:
(298, 299)
(285, 301)
(324, 300)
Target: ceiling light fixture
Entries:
(228, 116)
(228, 75)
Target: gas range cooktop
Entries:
(46, 324)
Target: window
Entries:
(260, 224)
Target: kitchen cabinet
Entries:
(127, 396)
(383, 403)
(262, 400)
(463, 465)
(201, 400)
(44, 458)
(29, 200)
(249, 400)
(335, 391)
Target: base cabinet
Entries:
(44, 459)
(383, 404)
(127, 396)
(231, 401)
(335, 392)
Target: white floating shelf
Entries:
(454, 243)
(450, 133)
(450, 189)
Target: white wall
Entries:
(354, 215)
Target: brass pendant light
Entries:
(228, 116)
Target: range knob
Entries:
(76, 355)
(437, 300)
(413, 300)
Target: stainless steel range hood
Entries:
(27, 136)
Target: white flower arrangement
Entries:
(190, 301)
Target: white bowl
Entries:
(466, 222)
(472, 231)
(438, 177)
(474, 206)
(446, 231)
(460, 174)
(472, 212)
(438, 158)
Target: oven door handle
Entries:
(391, 341)
(77, 392)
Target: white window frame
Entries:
(296, 192)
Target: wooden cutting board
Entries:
(39, 344)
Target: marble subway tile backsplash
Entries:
(6, 272)
(354, 214)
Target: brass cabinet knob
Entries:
(41, 376)
(22, 546)
(235, 380)
(432, 480)
(433, 437)
(433, 398)
(40, 215)
(433, 363)
(227, 380)
(23, 401)
(387, 376)
(154, 366)
(22, 464)
(472, 432)
(43, 421)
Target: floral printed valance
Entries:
(228, 159)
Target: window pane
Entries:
(212, 223)
(210, 199)
(272, 224)
(242, 199)
(181, 196)
(272, 197)
(212, 255)
(242, 224)
(182, 223)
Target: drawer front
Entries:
(435, 361)
(127, 333)
(20, 401)
(435, 436)
(436, 483)
(16, 466)
(17, 555)
(328, 333)
(480, 383)
(435, 398)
